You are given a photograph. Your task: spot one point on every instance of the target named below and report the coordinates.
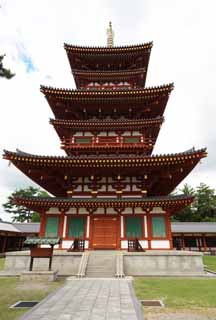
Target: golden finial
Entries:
(110, 36)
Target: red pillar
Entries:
(204, 242)
(42, 224)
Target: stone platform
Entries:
(149, 263)
(39, 275)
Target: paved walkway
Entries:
(89, 299)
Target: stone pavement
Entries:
(89, 299)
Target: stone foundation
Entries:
(163, 263)
(66, 263)
(149, 263)
(39, 275)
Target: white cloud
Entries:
(184, 53)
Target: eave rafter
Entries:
(97, 125)
(113, 161)
(171, 203)
(108, 50)
(50, 172)
(67, 94)
(84, 104)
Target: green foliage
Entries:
(210, 262)
(203, 208)
(20, 213)
(178, 292)
(13, 290)
(5, 73)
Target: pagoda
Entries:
(109, 188)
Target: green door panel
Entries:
(76, 227)
(52, 224)
(158, 227)
(133, 227)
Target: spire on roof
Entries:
(110, 36)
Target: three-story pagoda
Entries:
(109, 188)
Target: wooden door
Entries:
(104, 232)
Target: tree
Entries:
(5, 73)
(204, 207)
(186, 214)
(205, 203)
(20, 213)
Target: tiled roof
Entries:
(190, 227)
(86, 160)
(30, 227)
(86, 94)
(9, 227)
(168, 201)
(107, 50)
(110, 123)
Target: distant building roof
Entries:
(7, 226)
(30, 227)
(190, 227)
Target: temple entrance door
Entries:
(104, 232)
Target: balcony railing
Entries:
(125, 141)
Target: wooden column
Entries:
(42, 225)
(204, 242)
(183, 242)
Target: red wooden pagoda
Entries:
(109, 188)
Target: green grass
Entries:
(210, 262)
(13, 290)
(178, 292)
(2, 262)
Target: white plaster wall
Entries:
(78, 188)
(110, 188)
(99, 211)
(124, 244)
(86, 188)
(160, 244)
(64, 226)
(102, 188)
(138, 210)
(87, 226)
(53, 210)
(157, 210)
(110, 211)
(127, 188)
(122, 226)
(145, 226)
(82, 211)
(71, 211)
(88, 134)
(47, 246)
(144, 244)
(136, 133)
(67, 244)
(127, 211)
(134, 188)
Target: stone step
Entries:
(101, 265)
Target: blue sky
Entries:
(32, 34)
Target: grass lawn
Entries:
(13, 290)
(210, 262)
(2, 261)
(178, 292)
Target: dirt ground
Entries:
(179, 314)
